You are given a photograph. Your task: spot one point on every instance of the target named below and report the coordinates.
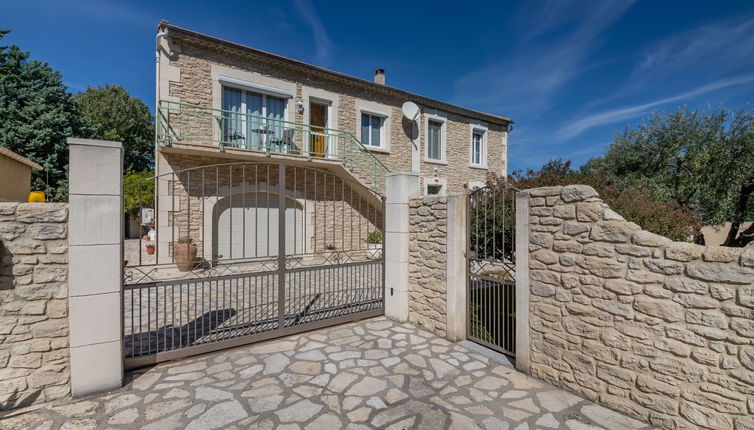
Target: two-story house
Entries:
(222, 102)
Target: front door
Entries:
(318, 123)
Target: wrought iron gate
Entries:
(245, 252)
(491, 267)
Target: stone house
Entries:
(223, 102)
(15, 176)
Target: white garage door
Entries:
(247, 227)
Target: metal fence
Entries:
(491, 314)
(189, 123)
(249, 251)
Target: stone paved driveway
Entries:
(370, 374)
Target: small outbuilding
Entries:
(15, 176)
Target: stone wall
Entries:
(34, 358)
(658, 330)
(427, 256)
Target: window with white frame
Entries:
(434, 140)
(372, 130)
(478, 148)
(252, 119)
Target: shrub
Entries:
(666, 218)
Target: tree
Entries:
(37, 116)
(701, 160)
(138, 192)
(113, 114)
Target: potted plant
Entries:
(185, 254)
(374, 244)
(150, 247)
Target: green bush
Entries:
(666, 218)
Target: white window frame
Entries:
(484, 131)
(257, 89)
(264, 95)
(442, 182)
(443, 138)
(383, 126)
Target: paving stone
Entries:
(275, 363)
(299, 412)
(325, 422)
(121, 402)
(609, 418)
(398, 377)
(218, 416)
(212, 394)
(493, 423)
(557, 400)
(124, 417)
(366, 387)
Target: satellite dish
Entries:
(410, 110)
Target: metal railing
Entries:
(491, 268)
(189, 123)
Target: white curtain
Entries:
(255, 124)
(275, 110)
(232, 126)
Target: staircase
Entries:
(179, 122)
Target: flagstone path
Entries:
(370, 374)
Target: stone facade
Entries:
(189, 74)
(658, 330)
(427, 304)
(34, 358)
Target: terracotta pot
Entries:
(185, 254)
(150, 250)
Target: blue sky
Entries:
(570, 73)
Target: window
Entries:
(478, 150)
(434, 140)
(371, 130)
(258, 122)
(433, 190)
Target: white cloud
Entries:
(723, 45)
(323, 46)
(574, 128)
(530, 73)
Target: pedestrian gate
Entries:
(491, 287)
(244, 252)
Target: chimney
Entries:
(379, 76)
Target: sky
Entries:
(571, 74)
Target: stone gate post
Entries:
(522, 282)
(401, 186)
(95, 265)
(456, 269)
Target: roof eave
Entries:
(356, 80)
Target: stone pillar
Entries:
(401, 186)
(522, 282)
(95, 260)
(456, 268)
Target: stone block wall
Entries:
(191, 62)
(427, 256)
(658, 330)
(34, 357)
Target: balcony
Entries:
(185, 123)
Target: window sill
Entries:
(431, 161)
(478, 166)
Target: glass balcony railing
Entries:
(188, 123)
